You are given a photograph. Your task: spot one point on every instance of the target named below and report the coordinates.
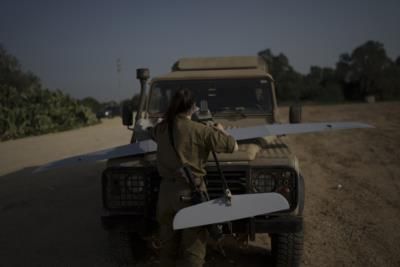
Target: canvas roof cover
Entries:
(218, 63)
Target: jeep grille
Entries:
(236, 179)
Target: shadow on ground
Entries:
(53, 219)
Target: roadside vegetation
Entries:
(26, 108)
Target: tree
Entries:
(12, 75)
(28, 109)
(361, 72)
(321, 85)
(288, 82)
(390, 82)
(366, 71)
(92, 103)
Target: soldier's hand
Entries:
(219, 126)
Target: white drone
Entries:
(217, 210)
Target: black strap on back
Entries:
(186, 170)
(171, 139)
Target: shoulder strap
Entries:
(186, 170)
(171, 139)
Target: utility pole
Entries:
(119, 73)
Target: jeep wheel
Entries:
(119, 249)
(287, 249)
(125, 248)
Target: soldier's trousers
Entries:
(183, 247)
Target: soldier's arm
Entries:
(217, 139)
(221, 128)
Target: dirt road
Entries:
(352, 212)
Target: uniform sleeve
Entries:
(218, 141)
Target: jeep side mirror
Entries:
(127, 113)
(295, 113)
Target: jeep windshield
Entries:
(243, 96)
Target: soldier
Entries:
(193, 142)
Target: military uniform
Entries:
(193, 141)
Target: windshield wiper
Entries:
(236, 110)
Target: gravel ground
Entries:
(352, 212)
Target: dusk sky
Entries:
(74, 45)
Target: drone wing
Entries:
(219, 211)
(142, 147)
(149, 146)
(298, 128)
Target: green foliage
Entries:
(389, 83)
(366, 71)
(133, 102)
(90, 102)
(27, 109)
(321, 85)
(288, 82)
(361, 72)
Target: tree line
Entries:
(26, 108)
(99, 108)
(366, 71)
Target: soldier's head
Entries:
(181, 103)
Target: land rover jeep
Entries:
(237, 92)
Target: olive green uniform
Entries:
(193, 141)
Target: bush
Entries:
(28, 109)
(27, 112)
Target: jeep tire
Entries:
(295, 113)
(287, 249)
(125, 248)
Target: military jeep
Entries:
(238, 92)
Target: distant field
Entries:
(52, 219)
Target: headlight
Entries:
(278, 180)
(263, 181)
(134, 183)
(124, 188)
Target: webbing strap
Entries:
(188, 173)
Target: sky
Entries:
(74, 45)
